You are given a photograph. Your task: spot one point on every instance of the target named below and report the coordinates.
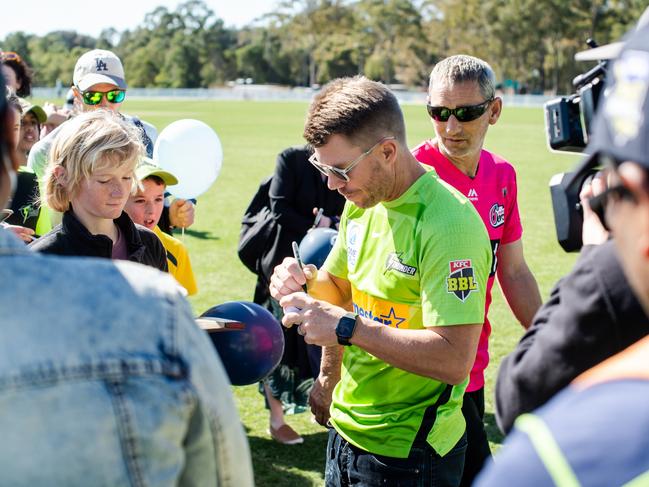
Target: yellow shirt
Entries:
(178, 261)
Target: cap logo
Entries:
(100, 65)
(624, 104)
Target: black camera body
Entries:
(568, 214)
(568, 119)
(568, 124)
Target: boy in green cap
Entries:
(145, 207)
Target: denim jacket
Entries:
(105, 379)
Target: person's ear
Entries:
(60, 174)
(495, 109)
(389, 149)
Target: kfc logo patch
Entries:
(460, 280)
(497, 215)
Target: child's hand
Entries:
(181, 213)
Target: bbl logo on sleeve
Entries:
(460, 280)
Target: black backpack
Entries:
(258, 228)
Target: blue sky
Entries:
(39, 17)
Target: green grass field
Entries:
(252, 133)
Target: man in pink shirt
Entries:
(462, 104)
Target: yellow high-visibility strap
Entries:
(548, 450)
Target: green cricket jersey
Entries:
(419, 261)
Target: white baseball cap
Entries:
(98, 66)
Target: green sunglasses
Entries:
(94, 97)
(463, 114)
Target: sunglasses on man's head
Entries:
(463, 114)
(10, 56)
(94, 97)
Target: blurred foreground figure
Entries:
(592, 313)
(595, 432)
(106, 380)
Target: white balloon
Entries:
(191, 151)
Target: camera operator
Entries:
(595, 432)
(592, 314)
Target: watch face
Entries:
(345, 328)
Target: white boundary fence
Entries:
(272, 93)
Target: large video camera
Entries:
(568, 123)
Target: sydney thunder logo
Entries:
(394, 262)
(460, 280)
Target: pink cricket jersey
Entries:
(493, 193)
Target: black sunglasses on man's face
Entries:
(463, 114)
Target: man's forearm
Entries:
(522, 294)
(322, 391)
(517, 283)
(330, 363)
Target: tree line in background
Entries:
(530, 43)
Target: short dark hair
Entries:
(156, 179)
(361, 109)
(23, 74)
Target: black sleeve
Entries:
(591, 315)
(164, 223)
(160, 254)
(285, 188)
(155, 254)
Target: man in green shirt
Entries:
(403, 292)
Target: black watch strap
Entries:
(345, 328)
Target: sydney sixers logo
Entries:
(497, 215)
(460, 280)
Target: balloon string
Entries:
(182, 234)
